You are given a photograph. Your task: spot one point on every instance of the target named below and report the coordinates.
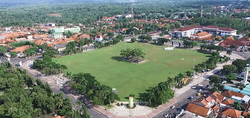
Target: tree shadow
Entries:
(156, 44)
(142, 96)
(117, 58)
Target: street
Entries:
(183, 101)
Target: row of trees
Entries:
(211, 62)
(47, 66)
(145, 38)
(86, 83)
(189, 44)
(22, 98)
(162, 93)
(112, 41)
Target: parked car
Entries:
(172, 107)
(166, 115)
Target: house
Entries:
(234, 95)
(246, 113)
(227, 102)
(201, 36)
(231, 113)
(167, 37)
(230, 41)
(188, 31)
(217, 96)
(60, 47)
(202, 102)
(216, 110)
(197, 110)
(73, 30)
(69, 39)
(57, 32)
(20, 50)
(98, 38)
(83, 36)
(7, 29)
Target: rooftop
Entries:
(232, 113)
(199, 110)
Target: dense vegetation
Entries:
(47, 66)
(21, 98)
(86, 83)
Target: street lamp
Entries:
(193, 67)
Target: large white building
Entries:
(189, 31)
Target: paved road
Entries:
(93, 113)
(183, 101)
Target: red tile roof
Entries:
(228, 102)
(232, 93)
(21, 49)
(232, 113)
(216, 108)
(226, 29)
(185, 28)
(228, 42)
(202, 111)
(246, 113)
(218, 95)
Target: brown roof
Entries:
(202, 111)
(83, 36)
(40, 42)
(216, 108)
(210, 26)
(226, 29)
(244, 39)
(21, 49)
(232, 113)
(228, 102)
(185, 28)
(232, 93)
(69, 39)
(209, 99)
(203, 101)
(228, 42)
(218, 95)
(246, 113)
(202, 34)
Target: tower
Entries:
(201, 11)
(132, 13)
(247, 69)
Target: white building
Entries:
(188, 31)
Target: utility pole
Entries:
(201, 11)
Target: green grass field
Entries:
(129, 78)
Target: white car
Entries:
(172, 107)
(166, 115)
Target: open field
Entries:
(129, 78)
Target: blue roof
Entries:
(245, 92)
(232, 88)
